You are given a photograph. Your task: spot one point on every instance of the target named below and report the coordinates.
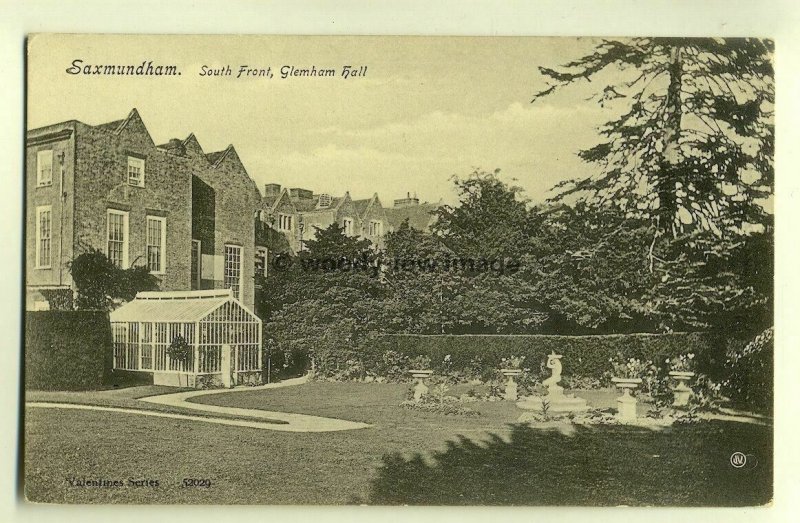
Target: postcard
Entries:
(395, 270)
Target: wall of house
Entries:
(285, 206)
(375, 212)
(101, 183)
(59, 196)
(314, 220)
(203, 226)
(235, 204)
(348, 210)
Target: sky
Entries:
(428, 108)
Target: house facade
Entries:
(374, 222)
(297, 214)
(184, 214)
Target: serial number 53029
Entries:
(192, 482)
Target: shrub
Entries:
(392, 365)
(749, 374)
(100, 284)
(630, 368)
(67, 350)
(438, 402)
(683, 363)
(481, 355)
(179, 349)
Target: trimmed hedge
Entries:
(585, 356)
(67, 350)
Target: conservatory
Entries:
(188, 339)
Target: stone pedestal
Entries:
(420, 389)
(511, 385)
(626, 404)
(556, 403)
(682, 392)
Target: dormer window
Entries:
(135, 171)
(324, 201)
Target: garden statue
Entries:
(554, 364)
(555, 401)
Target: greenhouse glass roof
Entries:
(184, 306)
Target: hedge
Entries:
(585, 356)
(67, 350)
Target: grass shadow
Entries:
(687, 465)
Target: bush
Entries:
(179, 349)
(585, 356)
(749, 374)
(67, 350)
(437, 401)
(100, 284)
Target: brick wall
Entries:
(235, 204)
(60, 139)
(101, 183)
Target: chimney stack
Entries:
(272, 189)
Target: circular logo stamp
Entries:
(738, 460)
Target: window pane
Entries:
(154, 244)
(44, 160)
(195, 264)
(116, 238)
(135, 171)
(44, 226)
(233, 269)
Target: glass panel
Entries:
(45, 232)
(233, 269)
(154, 242)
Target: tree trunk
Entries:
(668, 176)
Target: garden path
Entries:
(253, 418)
(291, 422)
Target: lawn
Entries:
(406, 457)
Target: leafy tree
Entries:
(693, 147)
(408, 243)
(100, 284)
(333, 243)
(492, 219)
(589, 269)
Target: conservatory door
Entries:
(229, 366)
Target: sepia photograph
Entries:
(398, 270)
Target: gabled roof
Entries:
(118, 125)
(182, 306)
(272, 202)
(175, 144)
(110, 126)
(216, 158)
(362, 205)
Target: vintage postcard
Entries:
(506, 271)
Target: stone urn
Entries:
(682, 392)
(420, 389)
(511, 385)
(626, 404)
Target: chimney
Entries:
(272, 189)
(408, 201)
(296, 193)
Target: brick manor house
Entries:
(197, 220)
